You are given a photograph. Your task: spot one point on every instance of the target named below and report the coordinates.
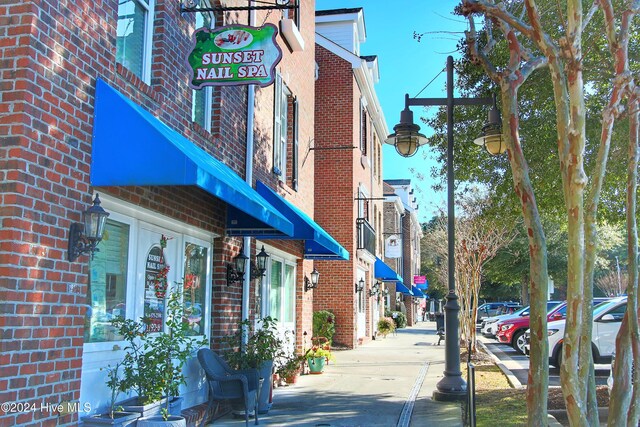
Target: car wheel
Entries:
(518, 341)
(557, 362)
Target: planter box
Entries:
(121, 419)
(158, 421)
(148, 410)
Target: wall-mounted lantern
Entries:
(313, 282)
(236, 270)
(360, 285)
(84, 236)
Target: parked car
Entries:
(491, 309)
(512, 331)
(607, 318)
(489, 326)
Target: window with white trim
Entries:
(282, 291)
(285, 134)
(201, 99)
(134, 36)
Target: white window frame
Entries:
(285, 259)
(280, 127)
(208, 90)
(149, 17)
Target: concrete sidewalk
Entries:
(387, 382)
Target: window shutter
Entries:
(277, 106)
(295, 152)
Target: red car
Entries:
(512, 331)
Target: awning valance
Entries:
(133, 147)
(400, 287)
(318, 244)
(417, 292)
(383, 272)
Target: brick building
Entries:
(349, 131)
(411, 234)
(95, 98)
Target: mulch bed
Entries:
(556, 400)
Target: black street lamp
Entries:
(407, 139)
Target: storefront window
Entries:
(106, 296)
(195, 276)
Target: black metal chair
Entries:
(229, 384)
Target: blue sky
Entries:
(407, 66)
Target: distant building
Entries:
(411, 235)
(349, 131)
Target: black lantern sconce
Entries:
(360, 286)
(84, 236)
(375, 290)
(235, 271)
(313, 282)
(378, 291)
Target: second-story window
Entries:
(201, 99)
(134, 35)
(364, 128)
(285, 134)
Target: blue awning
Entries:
(416, 292)
(400, 287)
(318, 244)
(133, 147)
(383, 272)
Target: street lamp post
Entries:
(407, 139)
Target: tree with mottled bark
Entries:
(558, 45)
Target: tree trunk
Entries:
(539, 282)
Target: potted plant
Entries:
(262, 348)
(140, 372)
(116, 416)
(318, 355)
(153, 362)
(170, 351)
(386, 325)
(290, 367)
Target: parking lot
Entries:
(518, 363)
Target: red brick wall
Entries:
(52, 54)
(334, 127)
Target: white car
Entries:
(489, 326)
(607, 317)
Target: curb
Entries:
(513, 381)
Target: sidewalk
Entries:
(387, 382)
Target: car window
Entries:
(618, 312)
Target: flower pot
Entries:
(175, 405)
(293, 378)
(120, 419)
(264, 400)
(148, 410)
(158, 421)
(316, 364)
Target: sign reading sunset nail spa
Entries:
(234, 55)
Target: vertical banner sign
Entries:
(234, 55)
(153, 306)
(393, 246)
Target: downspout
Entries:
(251, 96)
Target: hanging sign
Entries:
(393, 246)
(234, 55)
